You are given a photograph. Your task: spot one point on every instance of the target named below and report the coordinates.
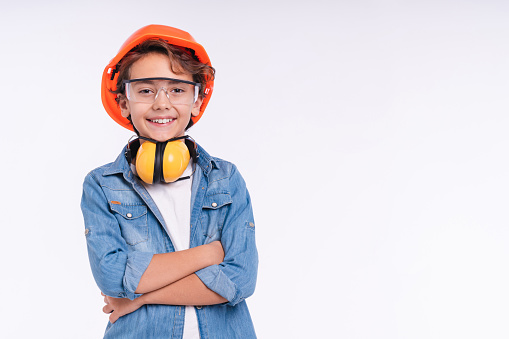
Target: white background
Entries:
(372, 136)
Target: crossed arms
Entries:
(178, 286)
(198, 276)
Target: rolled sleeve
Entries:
(137, 263)
(116, 270)
(217, 281)
(235, 278)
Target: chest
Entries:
(170, 223)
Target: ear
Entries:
(196, 107)
(125, 110)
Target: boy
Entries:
(170, 229)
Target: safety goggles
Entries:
(146, 90)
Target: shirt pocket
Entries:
(214, 211)
(133, 222)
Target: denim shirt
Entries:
(124, 229)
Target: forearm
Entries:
(166, 268)
(186, 291)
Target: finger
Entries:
(107, 309)
(106, 300)
(113, 318)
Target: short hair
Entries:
(182, 60)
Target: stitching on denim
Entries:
(222, 217)
(174, 325)
(206, 230)
(237, 292)
(216, 193)
(117, 189)
(128, 205)
(205, 320)
(218, 179)
(220, 222)
(121, 210)
(206, 207)
(210, 197)
(145, 234)
(142, 227)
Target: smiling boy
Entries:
(173, 254)
(160, 120)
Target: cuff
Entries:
(217, 281)
(137, 263)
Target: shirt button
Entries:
(214, 204)
(199, 307)
(129, 215)
(251, 224)
(86, 231)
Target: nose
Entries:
(162, 101)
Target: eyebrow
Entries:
(151, 81)
(144, 82)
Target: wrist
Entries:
(142, 300)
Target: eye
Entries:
(177, 90)
(145, 91)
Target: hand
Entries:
(217, 252)
(118, 307)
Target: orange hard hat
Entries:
(171, 35)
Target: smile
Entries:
(161, 121)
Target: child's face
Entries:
(148, 118)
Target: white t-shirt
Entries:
(174, 202)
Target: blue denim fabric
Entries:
(124, 228)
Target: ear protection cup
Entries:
(175, 160)
(162, 161)
(145, 161)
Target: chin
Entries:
(165, 137)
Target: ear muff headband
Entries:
(158, 162)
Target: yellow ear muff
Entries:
(145, 160)
(152, 163)
(175, 160)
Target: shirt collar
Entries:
(205, 161)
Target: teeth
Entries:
(161, 121)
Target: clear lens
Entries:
(148, 90)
